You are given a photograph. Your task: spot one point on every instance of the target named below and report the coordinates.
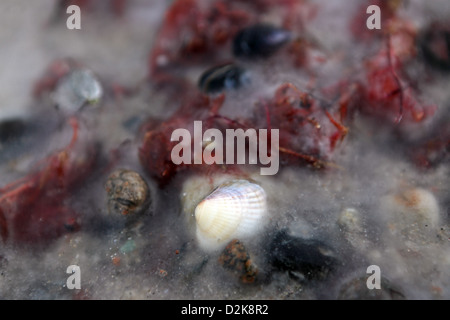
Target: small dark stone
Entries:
(3, 262)
(71, 226)
(11, 129)
(259, 41)
(223, 77)
(312, 258)
(434, 44)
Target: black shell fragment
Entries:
(312, 258)
(223, 77)
(259, 41)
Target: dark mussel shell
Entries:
(259, 41)
(312, 258)
(223, 77)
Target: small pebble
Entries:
(78, 88)
(435, 46)
(11, 130)
(236, 258)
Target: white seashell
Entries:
(233, 210)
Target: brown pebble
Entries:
(236, 258)
(162, 273)
(116, 261)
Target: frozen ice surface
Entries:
(156, 255)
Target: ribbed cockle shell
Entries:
(235, 209)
